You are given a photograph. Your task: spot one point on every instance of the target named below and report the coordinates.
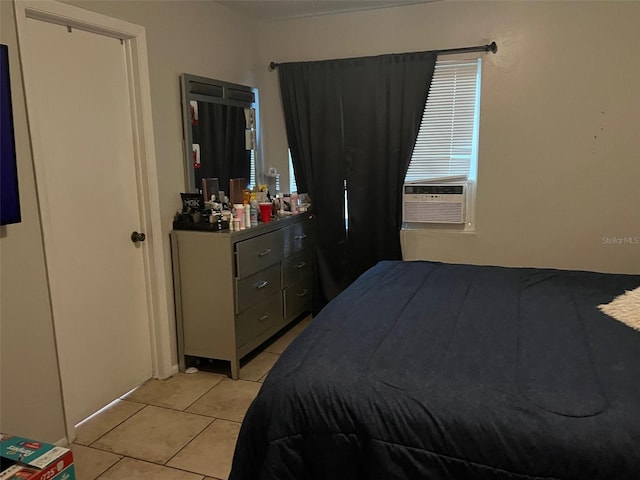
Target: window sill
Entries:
(443, 229)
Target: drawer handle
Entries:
(301, 265)
(264, 252)
(263, 317)
(300, 237)
(303, 293)
(261, 284)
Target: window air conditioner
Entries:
(434, 203)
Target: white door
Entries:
(80, 113)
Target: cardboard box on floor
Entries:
(25, 459)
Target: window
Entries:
(447, 143)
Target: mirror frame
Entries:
(194, 87)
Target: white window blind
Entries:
(448, 136)
(292, 178)
(252, 173)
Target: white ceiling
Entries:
(279, 9)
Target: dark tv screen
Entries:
(9, 196)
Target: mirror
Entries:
(220, 124)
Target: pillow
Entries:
(625, 308)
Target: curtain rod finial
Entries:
(493, 47)
(273, 66)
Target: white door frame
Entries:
(134, 39)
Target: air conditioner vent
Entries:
(429, 203)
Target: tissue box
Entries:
(25, 459)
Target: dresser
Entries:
(235, 290)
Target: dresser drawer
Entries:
(296, 267)
(299, 236)
(298, 298)
(258, 319)
(258, 253)
(257, 287)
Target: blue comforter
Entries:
(423, 370)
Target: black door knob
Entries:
(138, 237)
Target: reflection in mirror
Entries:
(220, 124)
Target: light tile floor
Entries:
(181, 428)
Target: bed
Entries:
(425, 370)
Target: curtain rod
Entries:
(491, 47)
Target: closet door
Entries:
(80, 112)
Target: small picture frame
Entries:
(210, 186)
(192, 202)
(196, 155)
(250, 139)
(250, 118)
(194, 112)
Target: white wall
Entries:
(559, 153)
(30, 396)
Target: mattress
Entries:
(425, 370)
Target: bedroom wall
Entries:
(30, 398)
(559, 150)
(197, 37)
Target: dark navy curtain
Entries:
(220, 132)
(354, 122)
